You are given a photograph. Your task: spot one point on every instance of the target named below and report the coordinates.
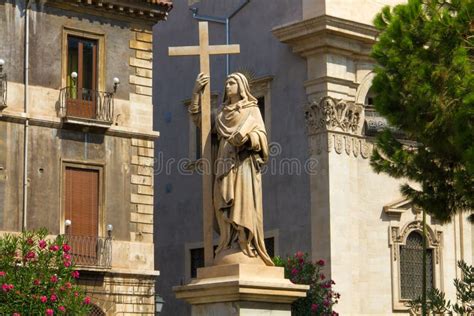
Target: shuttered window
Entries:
(82, 201)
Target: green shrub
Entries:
(320, 297)
(37, 276)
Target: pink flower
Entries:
(62, 308)
(54, 247)
(5, 287)
(43, 299)
(76, 294)
(326, 303)
(314, 307)
(294, 271)
(66, 248)
(67, 256)
(30, 255)
(36, 282)
(322, 276)
(54, 278)
(67, 264)
(53, 298)
(30, 242)
(49, 312)
(87, 300)
(75, 274)
(11, 287)
(321, 262)
(299, 254)
(2, 273)
(16, 314)
(42, 244)
(68, 285)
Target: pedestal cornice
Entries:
(240, 282)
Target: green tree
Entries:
(37, 276)
(424, 87)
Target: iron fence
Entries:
(91, 251)
(87, 104)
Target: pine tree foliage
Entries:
(424, 86)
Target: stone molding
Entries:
(348, 145)
(329, 114)
(325, 33)
(240, 282)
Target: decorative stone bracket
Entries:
(329, 114)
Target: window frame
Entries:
(398, 235)
(101, 230)
(99, 37)
(188, 246)
(261, 88)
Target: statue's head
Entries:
(237, 84)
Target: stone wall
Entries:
(121, 294)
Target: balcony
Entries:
(91, 252)
(86, 107)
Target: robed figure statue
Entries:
(242, 150)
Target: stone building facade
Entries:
(313, 58)
(77, 145)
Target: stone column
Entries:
(339, 71)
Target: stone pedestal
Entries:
(240, 289)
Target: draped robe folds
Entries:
(238, 205)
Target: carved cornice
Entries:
(329, 114)
(351, 146)
(325, 33)
(147, 12)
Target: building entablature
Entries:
(325, 34)
(146, 12)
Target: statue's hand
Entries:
(201, 81)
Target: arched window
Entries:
(96, 311)
(369, 98)
(411, 266)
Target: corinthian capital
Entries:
(329, 114)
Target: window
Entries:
(82, 96)
(197, 260)
(82, 60)
(411, 267)
(96, 311)
(261, 106)
(82, 205)
(406, 248)
(197, 255)
(261, 89)
(195, 133)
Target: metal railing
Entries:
(91, 251)
(87, 104)
(3, 90)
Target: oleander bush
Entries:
(320, 297)
(37, 276)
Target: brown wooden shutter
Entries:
(82, 201)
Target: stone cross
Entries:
(204, 50)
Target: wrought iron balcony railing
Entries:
(86, 105)
(90, 251)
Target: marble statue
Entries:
(242, 150)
